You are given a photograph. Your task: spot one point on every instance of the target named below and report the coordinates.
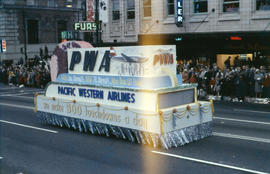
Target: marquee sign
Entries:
(179, 13)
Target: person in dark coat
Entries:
(228, 87)
(227, 63)
(236, 62)
(240, 86)
(266, 86)
(258, 77)
(251, 82)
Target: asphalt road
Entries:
(240, 144)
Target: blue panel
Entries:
(118, 81)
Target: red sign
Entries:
(235, 38)
(4, 48)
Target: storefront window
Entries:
(61, 26)
(31, 2)
(51, 3)
(147, 9)
(200, 6)
(115, 10)
(170, 7)
(32, 31)
(130, 9)
(262, 4)
(231, 6)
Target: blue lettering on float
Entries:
(133, 98)
(66, 90)
(91, 93)
(121, 96)
(75, 59)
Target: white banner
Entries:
(103, 11)
(110, 115)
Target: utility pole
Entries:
(24, 35)
(97, 21)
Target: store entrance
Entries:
(235, 60)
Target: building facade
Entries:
(28, 26)
(210, 29)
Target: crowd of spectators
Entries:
(233, 82)
(33, 73)
(239, 81)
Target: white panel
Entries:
(145, 101)
(104, 114)
(142, 61)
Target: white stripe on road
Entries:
(17, 106)
(18, 96)
(24, 93)
(228, 135)
(246, 121)
(31, 127)
(209, 163)
(9, 88)
(32, 90)
(243, 110)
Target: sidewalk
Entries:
(246, 100)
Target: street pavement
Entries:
(240, 144)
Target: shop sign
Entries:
(85, 26)
(3, 46)
(179, 13)
(66, 35)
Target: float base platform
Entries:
(167, 140)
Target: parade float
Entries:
(127, 92)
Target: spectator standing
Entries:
(251, 82)
(192, 79)
(185, 76)
(258, 77)
(37, 78)
(218, 77)
(266, 86)
(236, 62)
(227, 63)
(212, 84)
(240, 87)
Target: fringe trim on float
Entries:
(172, 139)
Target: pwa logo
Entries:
(163, 59)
